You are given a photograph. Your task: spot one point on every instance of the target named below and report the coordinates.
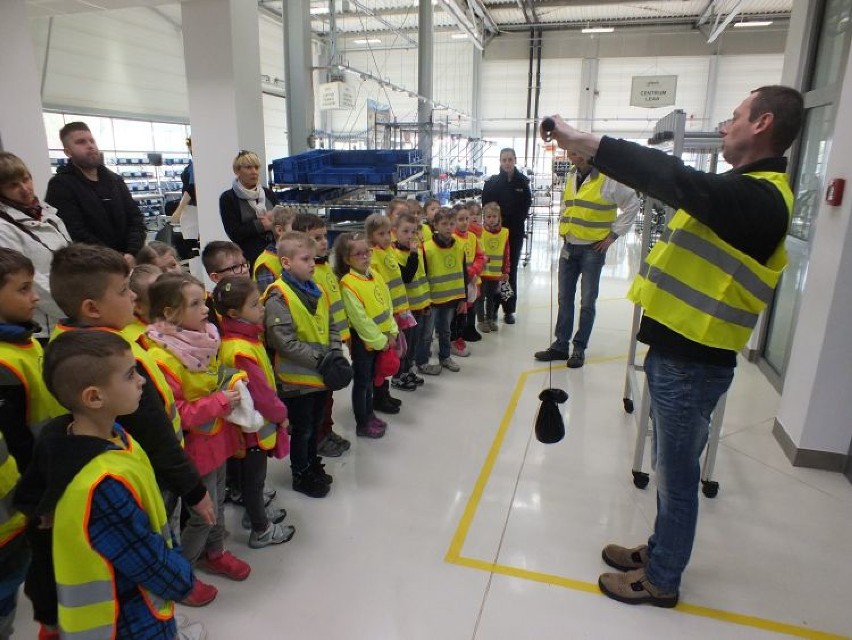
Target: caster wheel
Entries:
(710, 488)
(640, 480)
(628, 405)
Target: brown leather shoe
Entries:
(633, 587)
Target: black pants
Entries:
(40, 584)
(363, 366)
(517, 232)
(253, 469)
(305, 413)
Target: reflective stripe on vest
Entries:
(253, 350)
(417, 290)
(311, 329)
(327, 281)
(88, 605)
(587, 214)
(494, 246)
(374, 296)
(12, 522)
(444, 268)
(384, 262)
(270, 260)
(24, 361)
(701, 287)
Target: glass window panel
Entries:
(833, 43)
(782, 323)
(169, 137)
(53, 122)
(819, 123)
(133, 135)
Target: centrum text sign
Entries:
(653, 91)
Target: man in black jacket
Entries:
(93, 201)
(511, 190)
(701, 290)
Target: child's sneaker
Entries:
(274, 534)
(402, 383)
(484, 326)
(374, 429)
(385, 405)
(269, 494)
(202, 594)
(226, 564)
(273, 515)
(318, 468)
(51, 633)
(328, 448)
(187, 630)
(413, 377)
(450, 364)
(459, 348)
(471, 334)
(340, 440)
(494, 326)
(429, 369)
(310, 484)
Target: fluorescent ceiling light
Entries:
(754, 23)
(459, 36)
(367, 41)
(598, 29)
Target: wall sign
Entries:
(653, 91)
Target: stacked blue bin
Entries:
(368, 167)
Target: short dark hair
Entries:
(70, 128)
(153, 250)
(508, 150)
(231, 292)
(215, 250)
(405, 216)
(307, 222)
(77, 359)
(81, 272)
(12, 262)
(787, 108)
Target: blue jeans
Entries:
(439, 319)
(583, 261)
(683, 396)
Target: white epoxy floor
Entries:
(459, 525)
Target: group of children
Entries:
(158, 399)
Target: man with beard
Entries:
(93, 201)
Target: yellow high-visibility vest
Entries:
(25, 361)
(417, 290)
(199, 384)
(374, 296)
(444, 268)
(587, 214)
(384, 262)
(701, 287)
(254, 351)
(494, 246)
(326, 280)
(134, 334)
(270, 260)
(312, 329)
(12, 521)
(426, 231)
(85, 581)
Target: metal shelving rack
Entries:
(670, 135)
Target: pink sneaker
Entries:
(226, 564)
(375, 429)
(379, 421)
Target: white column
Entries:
(21, 123)
(298, 74)
(813, 422)
(222, 58)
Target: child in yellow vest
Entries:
(161, 255)
(329, 443)
(25, 402)
(300, 331)
(186, 348)
(117, 568)
(384, 263)
(446, 272)
(367, 300)
(395, 207)
(464, 329)
(238, 303)
(430, 208)
(91, 285)
(409, 255)
(495, 243)
(267, 267)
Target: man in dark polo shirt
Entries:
(94, 202)
(701, 290)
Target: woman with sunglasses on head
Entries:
(246, 208)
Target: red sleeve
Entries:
(265, 399)
(194, 413)
(507, 259)
(478, 262)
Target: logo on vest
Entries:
(492, 244)
(331, 282)
(390, 262)
(449, 261)
(377, 291)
